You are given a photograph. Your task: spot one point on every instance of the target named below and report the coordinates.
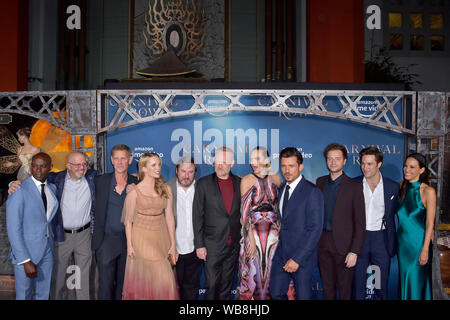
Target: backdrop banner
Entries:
(173, 138)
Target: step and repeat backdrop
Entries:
(199, 135)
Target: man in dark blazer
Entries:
(301, 215)
(109, 240)
(188, 264)
(216, 221)
(380, 243)
(344, 226)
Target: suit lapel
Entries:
(387, 200)
(342, 189)
(36, 195)
(55, 207)
(295, 198)
(279, 200)
(236, 195)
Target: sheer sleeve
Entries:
(129, 207)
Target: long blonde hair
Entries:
(160, 186)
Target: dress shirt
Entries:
(330, 193)
(48, 193)
(374, 202)
(50, 203)
(76, 203)
(292, 186)
(184, 232)
(114, 210)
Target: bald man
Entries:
(29, 213)
(72, 226)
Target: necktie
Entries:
(285, 198)
(44, 197)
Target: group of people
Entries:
(151, 238)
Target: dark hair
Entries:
(43, 156)
(291, 152)
(121, 147)
(335, 146)
(371, 151)
(422, 178)
(187, 159)
(24, 132)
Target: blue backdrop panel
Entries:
(200, 135)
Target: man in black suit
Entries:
(380, 241)
(109, 240)
(217, 226)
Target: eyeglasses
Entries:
(78, 165)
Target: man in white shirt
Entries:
(29, 213)
(188, 265)
(380, 197)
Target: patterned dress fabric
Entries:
(149, 276)
(258, 209)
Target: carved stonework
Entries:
(194, 28)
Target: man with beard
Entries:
(188, 265)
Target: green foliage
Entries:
(382, 69)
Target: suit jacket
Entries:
(301, 224)
(173, 185)
(211, 221)
(102, 188)
(390, 189)
(349, 215)
(29, 230)
(59, 180)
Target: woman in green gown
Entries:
(416, 216)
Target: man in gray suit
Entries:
(188, 265)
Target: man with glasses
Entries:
(73, 224)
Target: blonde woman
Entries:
(150, 232)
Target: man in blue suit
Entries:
(29, 212)
(301, 211)
(380, 242)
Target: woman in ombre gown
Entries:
(150, 232)
(260, 227)
(416, 216)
